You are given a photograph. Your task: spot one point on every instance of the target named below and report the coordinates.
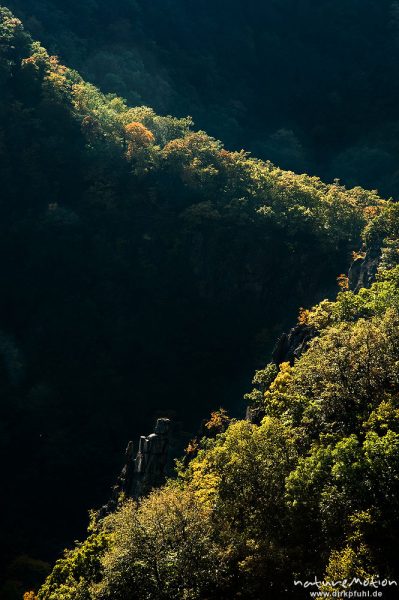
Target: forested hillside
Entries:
(147, 270)
(311, 491)
(311, 85)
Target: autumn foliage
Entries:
(137, 137)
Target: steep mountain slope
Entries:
(310, 85)
(310, 493)
(145, 270)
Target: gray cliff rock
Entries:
(288, 348)
(291, 345)
(146, 470)
(150, 461)
(363, 270)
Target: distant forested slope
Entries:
(310, 85)
(145, 269)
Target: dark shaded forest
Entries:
(148, 268)
(308, 84)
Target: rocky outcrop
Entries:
(363, 270)
(145, 470)
(254, 415)
(150, 461)
(288, 348)
(292, 344)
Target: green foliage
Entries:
(341, 377)
(72, 574)
(349, 564)
(262, 381)
(163, 548)
(14, 42)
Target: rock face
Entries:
(362, 271)
(292, 344)
(288, 348)
(150, 461)
(146, 470)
